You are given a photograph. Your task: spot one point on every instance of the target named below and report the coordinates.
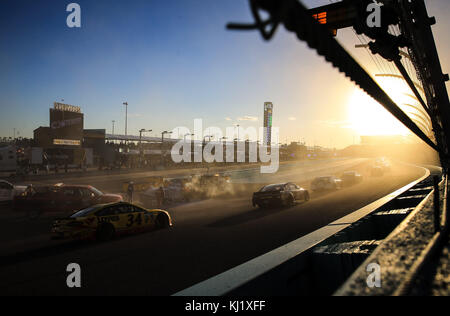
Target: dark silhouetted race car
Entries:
(384, 164)
(207, 186)
(326, 183)
(351, 177)
(61, 198)
(106, 221)
(283, 194)
(376, 171)
(175, 190)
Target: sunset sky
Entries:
(173, 61)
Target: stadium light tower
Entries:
(162, 135)
(207, 136)
(143, 131)
(140, 139)
(237, 127)
(188, 134)
(162, 144)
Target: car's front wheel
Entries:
(306, 196)
(105, 232)
(261, 206)
(290, 201)
(162, 221)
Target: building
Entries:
(379, 140)
(65, 130)
(8, 158)
(62, 140)
(42, 137)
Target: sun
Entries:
(367, 117)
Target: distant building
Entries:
(8, 158)
(66, 127)
(43, 137)
(64, 140)
(293, 151)
(385, 139)
(94, 138)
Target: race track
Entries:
(208, 236)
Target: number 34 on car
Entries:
(105, 221)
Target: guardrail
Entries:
(297, 268)
(399, 276)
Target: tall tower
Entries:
(268, 111)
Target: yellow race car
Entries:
(105, 221)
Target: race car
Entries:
(384, 164)
(326, 183)
(61, 198)
(106, 221)
(207, 186)
(174, 191)
(8, 191)
(283, 194)
(141, 185)
(351, 177)
(376, 171)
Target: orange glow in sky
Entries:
(368, 117)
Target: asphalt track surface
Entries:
(208, 237)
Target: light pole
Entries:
(224, 146)
(203, 147)
(140, 134)
(203, 142)
(113, 127)
(191, 150)
(162, 136)
(207, 136)
(162, 144)
(126, 119)
(141, 152)
(188, 134)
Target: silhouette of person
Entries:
(160, 196)
(130, 191)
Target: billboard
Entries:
(268, 112)
(66, 124)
